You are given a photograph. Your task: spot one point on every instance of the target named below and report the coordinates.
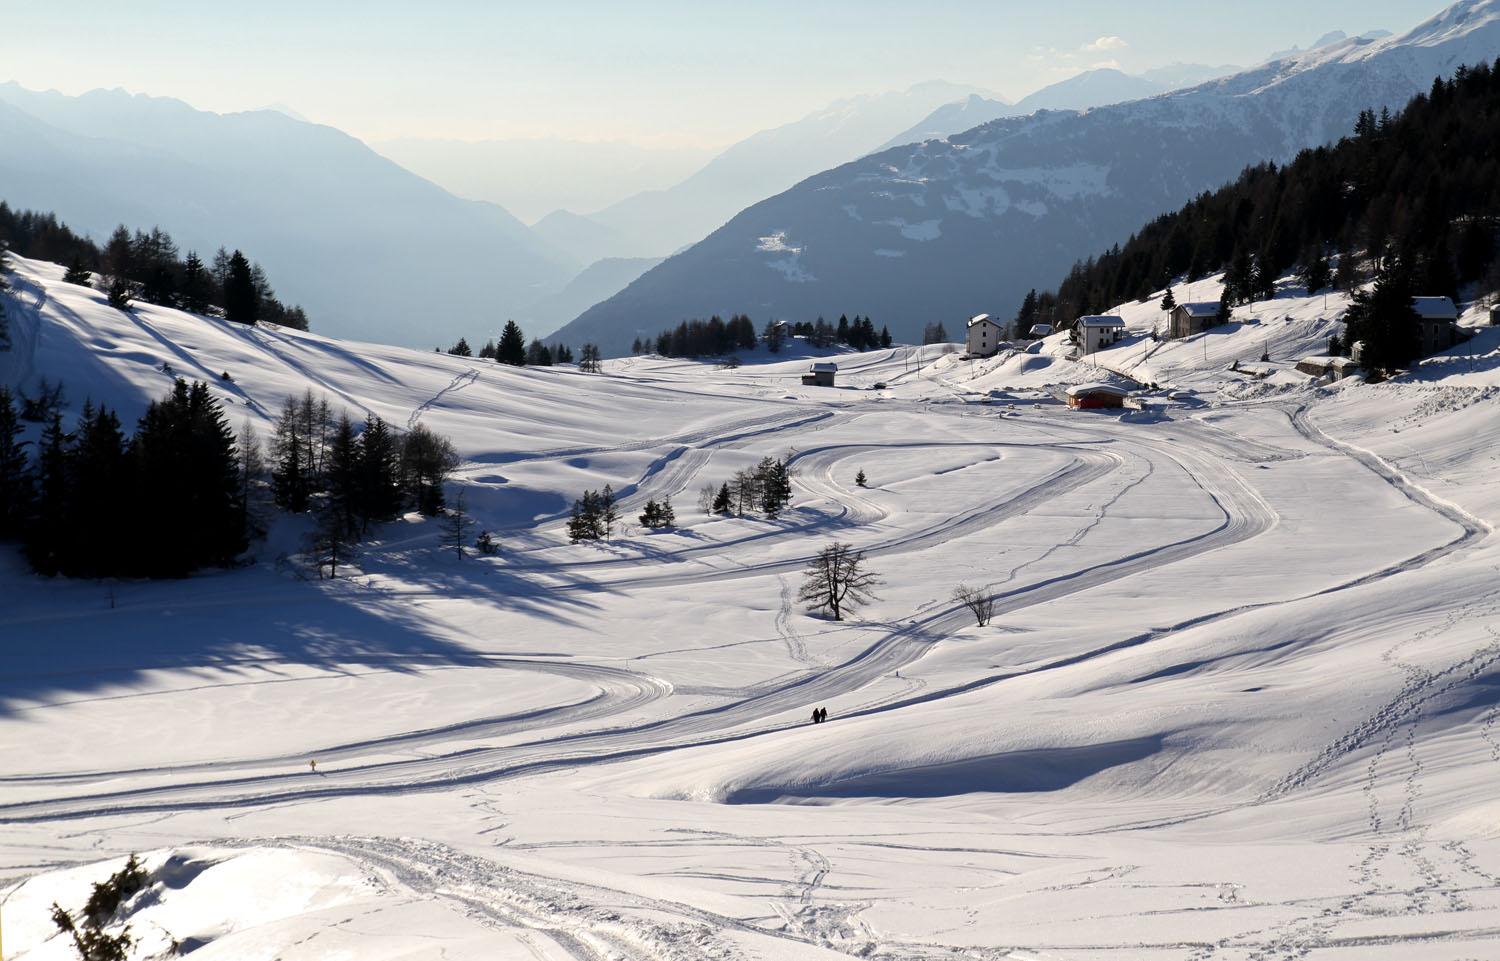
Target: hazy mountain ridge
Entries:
(945, 229)
(336, 225)
(768, 162)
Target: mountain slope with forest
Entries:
(950, 228)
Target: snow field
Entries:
(1237, 700)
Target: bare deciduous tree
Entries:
(456, 524)
(980, 604)
(836, 580)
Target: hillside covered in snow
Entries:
(955, 227)
(1237, 699)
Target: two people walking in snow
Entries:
(819, 715)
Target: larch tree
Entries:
(838, 581)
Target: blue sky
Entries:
(649, 71)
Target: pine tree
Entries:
(537, 354)
(461, 349)
(99, 510)
(196, 289)
(379, 469)
(584, 519)
(486, 544)
(512, 347)
(589, 361)
(885, 337)
(187, 483)
(859, 479)
(241, 299)
(120, 292)
(78, 273)
(343, 475)
(48, 528)
(1169, 302)
(775, 486)
(723, 501)
(1384, 319)
(487, 352)
(15, 477)
(1313, 272)
(562, 354)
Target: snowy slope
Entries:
(946, 229)
(1238, 699)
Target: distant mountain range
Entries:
(373, 251)
(1092, 88)
(661, 221)
(949, 228)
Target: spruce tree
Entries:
(1169, 302)
(379, 481)
(241, 298)
(78, 273)
(99, 485)
(187, 483)
(48, 525)
(196, 290)
(537, 354)
(723, 501)
(343, 475)
(15, 477)
(512, 347)
(461, 349)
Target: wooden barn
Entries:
(1189, 319)
(1096, 396)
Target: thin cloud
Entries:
(1106, 43)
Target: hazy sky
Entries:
(651, 71)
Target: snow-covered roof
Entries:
(1321, 360)
(1435, 308)
(1344, 363)
(824, 367)
(1104, 320)
(1041, 330)
(1078, 390)
(979, 319)
(1203, 308)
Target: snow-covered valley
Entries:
(1238, 699)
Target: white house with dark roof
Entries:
(985, 336)
(1100, 331)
